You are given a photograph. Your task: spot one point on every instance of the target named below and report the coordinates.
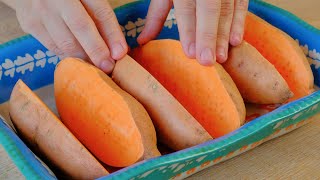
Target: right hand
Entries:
(85, 29)
(206, 27)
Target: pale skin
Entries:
(88, 29)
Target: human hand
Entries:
(206, 27)
(85, 29)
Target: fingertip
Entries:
(107, 66)
(222, 54)
(221, 61)
(147, 34)
(190, 50)
(207, 57)
(235, 39)
(141, 39)
(118, 50)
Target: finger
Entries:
(43, 36)
(224, 28)
(185, 13)
(32, 25)
(157, 14)
(239, 17)
(108, 26)
(85, 31)
(208, 12)
(37, 30)
(67, 44)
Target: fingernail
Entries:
(236, 39)
(206, 57)
(141, 38)
(117, 51)
(107, 66)
(222, 54)
(192, 50)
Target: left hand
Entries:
(206, 27)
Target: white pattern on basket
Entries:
(311, 53)
(171, 20)
(132, 29)
(314, 56)
(27, 63)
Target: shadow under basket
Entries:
(26, 59)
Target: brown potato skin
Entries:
(256, 78)
(283, 52)
(142, 120)
(175, 126)
(47, 135)
(233, 91)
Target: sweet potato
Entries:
(175, 126)
(283, 52)
(233, 91)
(96, 113)
(256, 78)
(145, 126)
(198, 88)
(142, 120)
(47, 135)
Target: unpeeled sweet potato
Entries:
(256, 78)
(233, 91)
(283, 52)
(143, 122)
(47, 135)
(175, 126)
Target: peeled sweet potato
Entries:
(47, 135)
(175, 126)
(105, 120)
(198, 88)
(256, 78)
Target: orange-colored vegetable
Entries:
(96, 113)
(233, 91)
(48, 136)
(175, 126)
(257, 79)
(143, 122)
(198, 88)
(283, 52)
